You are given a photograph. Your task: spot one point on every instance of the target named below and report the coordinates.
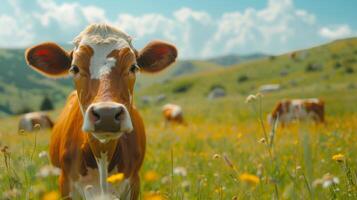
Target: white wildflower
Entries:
(43, 154)
(181, 171)
(250, 98)
(326, 181)
(11, 194)
(48, 170)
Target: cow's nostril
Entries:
(95, 115)
(117, 116)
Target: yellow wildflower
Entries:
(338, 157)
(115, 178)
(151, 176)
(249, 178)
(53, 195)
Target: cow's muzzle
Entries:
(107, 119)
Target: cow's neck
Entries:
(103, 153)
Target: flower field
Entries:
(206, 160)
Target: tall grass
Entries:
(208, 160)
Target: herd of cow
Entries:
(285, 112)
(100, 131)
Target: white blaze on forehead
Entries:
(103, 39)
(100, 64)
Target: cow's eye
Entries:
(134, 68)
(74, 69)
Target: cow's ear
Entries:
(49, 59)
(156, 56)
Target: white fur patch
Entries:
(103, 172)
(99, 63)
(103, 39)
(88, 187)
(27, 122)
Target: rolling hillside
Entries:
(328, 72)
(22, 89)
(223, 152)
(319, 71)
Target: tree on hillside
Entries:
(46, 104)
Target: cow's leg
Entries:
(64, 186)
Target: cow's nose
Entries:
(106, 117)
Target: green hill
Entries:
(229, 60)
(328, 72)
(22, 89)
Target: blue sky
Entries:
(200, 29)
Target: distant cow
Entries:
(298, 109)
(172, 114)
(29, 121)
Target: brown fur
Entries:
(73, 150)
(315, 109)
(169, 117)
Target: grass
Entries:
(224, 152)
(208, 160)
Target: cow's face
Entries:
(104, 71)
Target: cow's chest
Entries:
(88, 187)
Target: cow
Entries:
(173, 114)
(286, 111)
(99, 131)
(29, 121)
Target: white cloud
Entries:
(270, 29)
(186, 28)
(66, 15)
(335, 32)
(14, 33)
(141, 26)
(275, 28)
(305, 16)
(186, 14)
(94, 14)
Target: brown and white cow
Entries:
(99, 131)
(29, 120)
(287, 111)
(173, 114)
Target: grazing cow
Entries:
(29, 120)
(287, 111)
(99, 131)
(172, 114)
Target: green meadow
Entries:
(227, 150)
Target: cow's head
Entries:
(103, 65)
